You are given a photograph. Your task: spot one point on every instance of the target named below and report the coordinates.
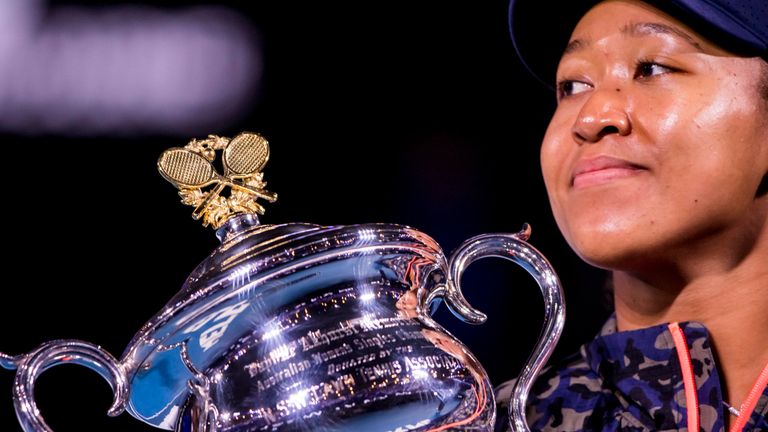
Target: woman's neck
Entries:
(731, 302)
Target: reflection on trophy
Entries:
(297, 327)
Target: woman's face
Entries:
(659, 143)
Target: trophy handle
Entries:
(514, 248)
(30, 366)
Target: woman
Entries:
(656, 167)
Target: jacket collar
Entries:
(643, 367)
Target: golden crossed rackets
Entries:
(244, 157)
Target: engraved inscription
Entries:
(431, 362)
(320, 358)
(312, 396)
(335, 368)
(381, 370)
(377, 341)
(337, 354)
(292, 370)
(360, 335)
(278, 355)
(316, 338)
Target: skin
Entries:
(653, 163)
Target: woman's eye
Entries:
(570, 88)
(646, 69)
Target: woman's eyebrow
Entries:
(575, 45)
(654, 28)
(638, 30)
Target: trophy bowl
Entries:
(296, 327)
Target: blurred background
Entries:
(415, 113)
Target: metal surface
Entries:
(514, 248)
(55, 353)
(299, 327)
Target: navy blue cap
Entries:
(540, 30)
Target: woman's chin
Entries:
(611, 251)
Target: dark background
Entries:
(415, 113)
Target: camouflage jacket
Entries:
(634, 381)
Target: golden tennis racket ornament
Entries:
(190, 169)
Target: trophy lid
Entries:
(255, 271)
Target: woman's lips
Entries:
(602, 169)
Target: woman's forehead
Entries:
(540, 31)
(634, 20)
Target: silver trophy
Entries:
(298, 327)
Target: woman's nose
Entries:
(604, 113)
